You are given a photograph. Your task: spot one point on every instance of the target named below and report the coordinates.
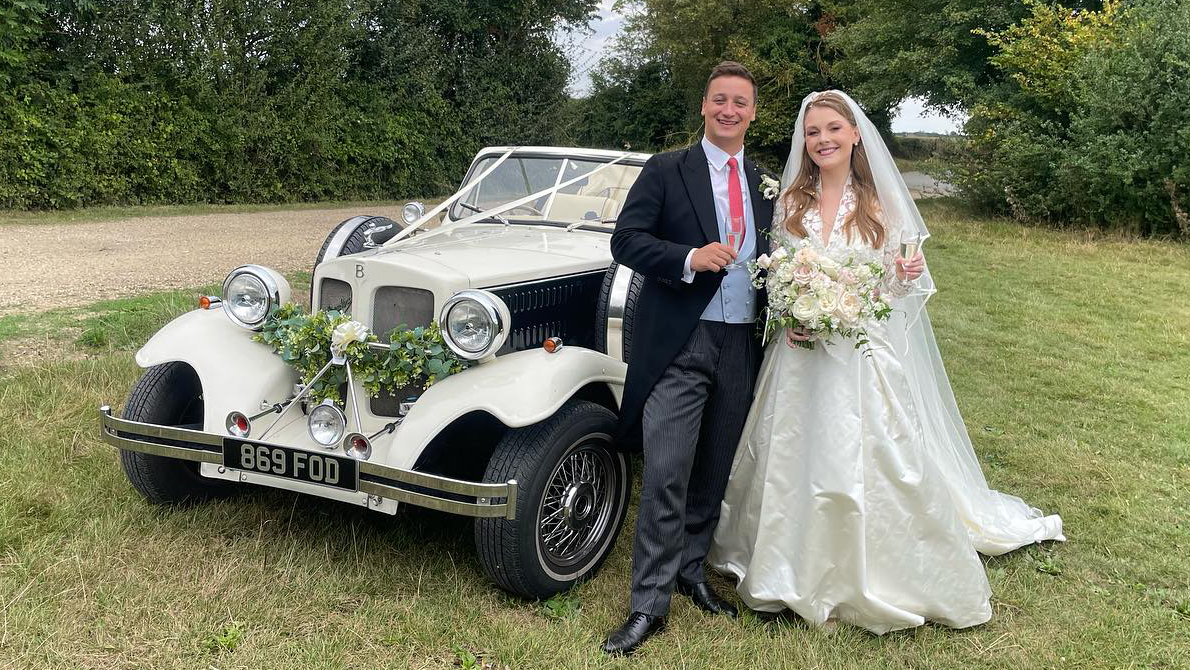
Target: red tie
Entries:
(735, 201)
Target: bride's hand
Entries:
(795, 335)
(910, 268)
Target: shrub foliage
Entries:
(166, 101)
(1090, 124)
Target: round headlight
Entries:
(326, 424)
(474, 324)
(412, 211)
(251, 292)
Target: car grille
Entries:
(562, 307)
(335, 294)
(399, 306)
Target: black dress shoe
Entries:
(706, 599)
(638, 628)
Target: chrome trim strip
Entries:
(617, 301)
(341, 236)
(445, 484)
(111, 426)
(505, 510)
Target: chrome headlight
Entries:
(474, 324)
(412, 211)
(251, 293)
(326, 424)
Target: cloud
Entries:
(586, 52)
(913, 117)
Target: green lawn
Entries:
(1070, 357)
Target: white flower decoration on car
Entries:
(346, 333)
(769, 187)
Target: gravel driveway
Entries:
(43, 266)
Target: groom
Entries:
(695, 354)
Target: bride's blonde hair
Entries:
(802, 193)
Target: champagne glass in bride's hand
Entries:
(910, 245)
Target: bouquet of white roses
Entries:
(823, 295)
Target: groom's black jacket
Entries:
(669, 210)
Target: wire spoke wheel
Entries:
(578, 505)
(574, 489)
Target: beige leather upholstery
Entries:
(567, 207)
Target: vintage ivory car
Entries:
(519, 274)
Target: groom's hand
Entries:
(712, 258)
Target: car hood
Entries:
(495, 254)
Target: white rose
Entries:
(802, 275)
(820, 282)
(346, 333)
(848, 309)
(779, 253)
(827, 302)
(764, 261)
(846, 276)
(805, 256)
(862, 273)
(829, 267)
(804, 309)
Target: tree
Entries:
(1089, 122)
(669, 47)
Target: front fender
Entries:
(236, 373)
(518, 389)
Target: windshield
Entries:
(592, 200)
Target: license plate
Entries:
(304, 466)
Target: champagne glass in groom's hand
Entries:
(735, 240)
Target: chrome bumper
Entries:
(380, 480)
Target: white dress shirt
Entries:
(735, 302)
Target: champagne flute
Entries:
(910, 243)
(735, 240)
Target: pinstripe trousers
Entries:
(691, 425)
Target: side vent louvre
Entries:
(563, 307)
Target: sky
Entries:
(586, 49)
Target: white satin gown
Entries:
(838, 508)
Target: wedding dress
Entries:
(855, 494)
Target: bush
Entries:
(1091, 126)
(170, 101)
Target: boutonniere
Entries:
(769, 187)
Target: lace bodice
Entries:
(841, 244)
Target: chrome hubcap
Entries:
(577, 505)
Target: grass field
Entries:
(1070, 357)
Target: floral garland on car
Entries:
(304, 341)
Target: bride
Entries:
(855, 494)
